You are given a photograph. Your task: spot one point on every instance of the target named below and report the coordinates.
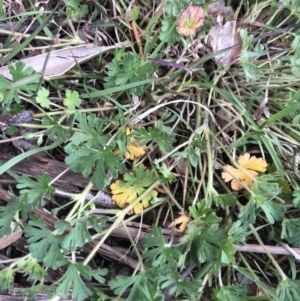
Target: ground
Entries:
(149, 150)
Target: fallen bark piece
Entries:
(36, 166)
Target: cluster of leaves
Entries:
(130, 69)
(48, 250)
(203, 242)
(89, 149)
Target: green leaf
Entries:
(97, 222)
(238, 232)
(121, 283)
(72, 99)
(149, 292)
(231, 293)
(202, 214)
(168, 31)
(42, 98)
(295, 62)
(296, 198)
(141, 177)
(19, 73)
(55, 129)
(133, 283)
(192, 152)
(36, 191)
(194, 156)
(157, 251)
(296, 42)
(134, 12)
(82, 159)
(6, 278)
(16, 208)
(7, 95)
(273, 211)
(30, 266)
(227, 252)
(163, 139)
(166, 175)
(132, 69)
(266, 188)
(203, 244)
(77, 237)
(87, 150)
(91, 132)
(75, 10)
(98, 275)
(286, 192)
(288, 290)
(19, 70)
(187, 287)
(247, 213)
(72, 279)
(43, 244)
(62, 226)
(225, 200)
(290, 231)
(251, 70)
(34, 290)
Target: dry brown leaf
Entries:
(58, 62)
(7, 240)
(245, 175)
(182, 220)
(219, 12)
(224, 34)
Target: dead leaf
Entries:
(7, 240)
(224, 34)
(245, 175)
(134, 149)
(58, 62)
(220, 13)
(182, 220)
(191, 19)
(123, 196)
